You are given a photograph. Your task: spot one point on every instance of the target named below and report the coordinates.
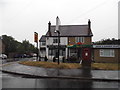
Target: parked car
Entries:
(34, 55)
(19, 55)
(3, 56)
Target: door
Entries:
(86, 54)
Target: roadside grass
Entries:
(94, 66)
(51, 64)
(106, 66)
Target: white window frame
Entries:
(107, 53)
(55, 39)
(80, 39)
(43, 43)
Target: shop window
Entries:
(107, 53)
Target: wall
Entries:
(115, 59)
(63, 41)
(118, 55)
(2, 47)
(49, 41)
(72, 40)
(88, 40)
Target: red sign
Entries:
(35, 37)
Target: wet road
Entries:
(14, 81)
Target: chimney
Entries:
(89, 24)
(57, 23)
(49, 25)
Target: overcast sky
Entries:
(21, 18)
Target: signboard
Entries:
(106, 46)
(35, 37)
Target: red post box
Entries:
(86, 57)
(86, 54)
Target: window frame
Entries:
(43, 43)
(107, 52)
(55, 40)
(80, 39)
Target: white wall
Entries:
(63, 41)
(41, 45)
(49, 41)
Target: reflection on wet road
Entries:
(13, 81)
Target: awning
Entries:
(79, 46)
(56, 46)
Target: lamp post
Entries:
(57, 30)
(58, 44)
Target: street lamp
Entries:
(56, 31)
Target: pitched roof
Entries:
(72, 30)
(43, 38)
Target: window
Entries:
(73, 52)
(80, 39)
(107, 53)
(54, 52)
(51, 51)
(62, 52)
(55, 39)
(43, 43)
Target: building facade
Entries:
(106, 53)
(76, 43)
(42, 46)
(71, 39)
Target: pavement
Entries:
(38, 72)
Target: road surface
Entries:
(15, 81)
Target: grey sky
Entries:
(21, 18)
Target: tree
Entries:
(10, 44)
(108, 41)
(13, 46)
(27, 47)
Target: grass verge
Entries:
(106, 66)
(94, 66)
(51, 64)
